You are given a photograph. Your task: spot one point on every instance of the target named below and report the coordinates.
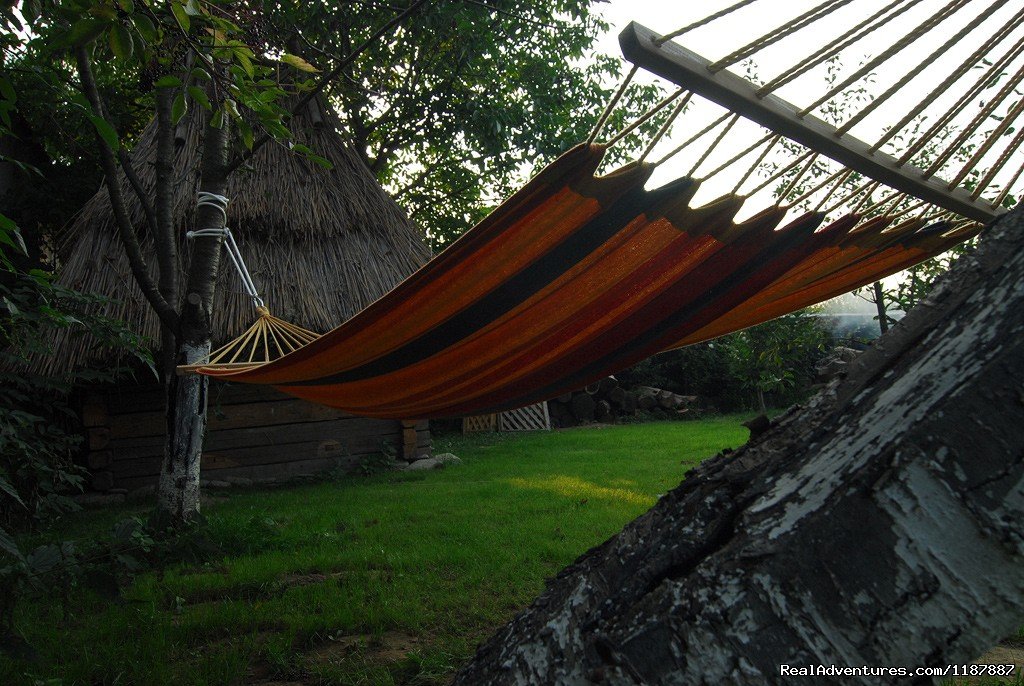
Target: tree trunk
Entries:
(878, 526)
(178, 492)
(883, 316)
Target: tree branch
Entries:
(333, 74)
(168, 316)
(136, 184)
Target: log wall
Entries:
(253, 432)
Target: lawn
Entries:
(384, 579)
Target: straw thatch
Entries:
(320, 244)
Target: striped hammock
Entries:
(577, 276)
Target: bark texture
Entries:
(880, 525)
(178, 490)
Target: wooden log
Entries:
(583, 406)
(102, 480)
(99, 459)
(410, 441)
(278, 471)
(256, 436)
(146, 465)
(98, 437)
(94, 411)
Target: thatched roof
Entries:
(320, 244)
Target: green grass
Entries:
(376, 580)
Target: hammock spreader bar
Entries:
(643, 47)
(575, 277)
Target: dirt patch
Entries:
(1009, 651)
(391, 646)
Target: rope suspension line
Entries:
(969, 63)
(706, 20)
(838, 44)
(927, 61)
(220, 203)
(787, 29)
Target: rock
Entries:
(213, 483)
(99, 499)
(448, 459)
(428, 463)
(647, 402)
(603, 412)
(845, 354)
(400, 465)
(758, 425)
(830, 368)
(583, 407)
(238, 480)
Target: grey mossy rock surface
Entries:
(880, 525)
(448, 459)
(426, 463)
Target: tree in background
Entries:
(458, 105)
(776, 356)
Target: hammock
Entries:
(577, 276)
(573, 278)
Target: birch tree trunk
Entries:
(879, 526)
(178, 490)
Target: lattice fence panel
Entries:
(529, 418)
(478, 423)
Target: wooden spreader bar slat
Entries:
(689, 70)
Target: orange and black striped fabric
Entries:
(573, 278)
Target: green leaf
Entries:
(298, 63)
(245, 62)
(7, 90)
(200, 74)
(127, 5)
(199, 95)
(144, 25)
(231, 108)
(167, 82)
(245, 131)
(106, 131)
(178, 108)
(121, 42)
(85, 31)
(316, 159)
(7, 488)
(181, 15)
(8, 545)
(217, 120)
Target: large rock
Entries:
(448, 459)
(427, 463)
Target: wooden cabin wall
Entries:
(253, 433)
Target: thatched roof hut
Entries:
(321, 244)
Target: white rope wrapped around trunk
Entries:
(220, 203)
